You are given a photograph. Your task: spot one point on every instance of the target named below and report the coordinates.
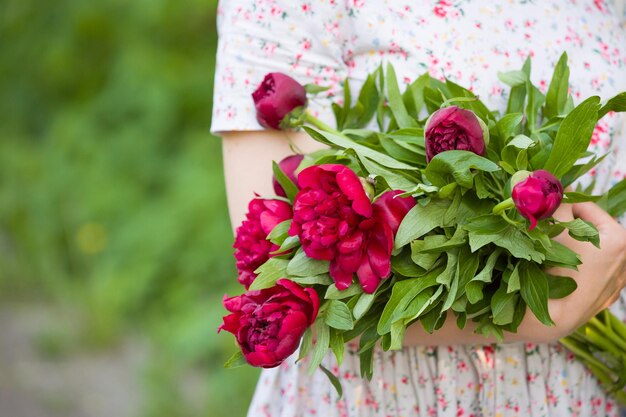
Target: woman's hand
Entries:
(602, 274)
(600, 278)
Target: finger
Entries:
(592, 213)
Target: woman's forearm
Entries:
(248, 160)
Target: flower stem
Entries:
(314, 121)
(571, 345)
(503, 206)
(608, 333)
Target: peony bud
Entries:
(453, 128)
(538, 196)
(288, 166)
(276, 97)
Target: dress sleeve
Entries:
(300, 38)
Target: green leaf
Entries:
(486, 224)
(306, 344)
(433, 99)
(560, 287)
(576, 197)
(347, 103)
(368, 321)
(337, 345)
(616, 199)
(517, 98)
(322, 331)
(511, 239)
(363, 305)
(457, 166)
(510, 169)
(366, 352)
(535, 101)
(573, 137)
(392, 177)
(280, 232)
(515, 151)
(368, 99)
(344, 142)
(534, 289)
(616, 104)
(558, 91)
(513, 78)
(235, 361)
(338, 316)
(402, 293)
(333, 380)
(395, 101)
(433, 320)
(521, 142)
(268, 273)
(322, 279)
(440, 243)
(422, 259)
(315, 89)
(420, 220)
(332, 293)
(579, 170)
(303, 266)
(420, 306)
(503, 306)
(414, 95)
(474, 288)
(508, 125)
(402, 152)
(398, 329)
(290, 188)
(403, 264)
(562, 256)
(583, 231)
(514, 281)
(289, 243)
(467, 266)
(446, 277)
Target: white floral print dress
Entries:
(467, 41)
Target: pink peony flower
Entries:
(268, 324)
(252, 248)
(335, 221)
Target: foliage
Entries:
(111, 192)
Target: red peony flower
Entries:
(538, 196)
(288, 165)
(268, 324)
(335, 221)
(277, 95)
(453, 128)
(252, 248)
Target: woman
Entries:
(451, 372)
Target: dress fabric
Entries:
(469, 42)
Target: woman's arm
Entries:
(248, 160)
(247, 167)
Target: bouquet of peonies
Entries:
(442, 211)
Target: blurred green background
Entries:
(115, 245)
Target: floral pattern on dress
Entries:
(469, 42)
